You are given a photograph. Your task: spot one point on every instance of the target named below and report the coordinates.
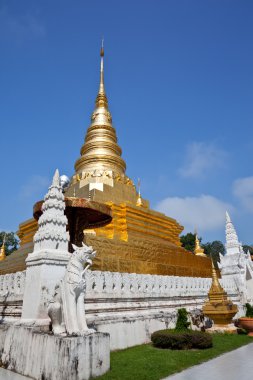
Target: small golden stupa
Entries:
(139, 199)
(219, 308)
(2, 251)
(198, 250)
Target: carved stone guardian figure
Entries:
(67, 311)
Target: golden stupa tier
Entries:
(138, 240)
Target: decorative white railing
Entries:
(114, 284)
(12, 284)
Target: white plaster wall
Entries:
(44, 356)
(131, 306)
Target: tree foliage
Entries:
(182, 319)
(11, 241)
(188, 241)
(247, 248)
(212, 249)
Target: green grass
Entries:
(146, 362)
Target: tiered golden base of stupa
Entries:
(138, 240)
(219, 308)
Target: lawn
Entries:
(146, 362)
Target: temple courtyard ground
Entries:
(148, 363)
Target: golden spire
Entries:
(199, 251)
(216, 292)
(219, 308)
(101, 100)
(215, 281)
(2, 250)
(100, 150)
(139, 200)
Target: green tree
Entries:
(247, 248)
(11, 241)
(212, 249)
(182, 320)
(188, 241)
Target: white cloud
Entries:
(243, 190)
(206, 213)
(200, 158)
(37, 185)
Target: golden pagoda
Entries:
(198, 250)
(219, 308)
(139, 239)
(2, 251)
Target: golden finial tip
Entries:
(102, 53)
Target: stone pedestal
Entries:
(44, 270)
(45, 356)
(228, 329)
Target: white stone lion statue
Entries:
(66, 310)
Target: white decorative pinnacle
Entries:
(232, 243)
(52, 232)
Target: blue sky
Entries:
(179, 80)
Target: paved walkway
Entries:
(9, 375)
(235, 365)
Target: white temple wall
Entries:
(127, 306)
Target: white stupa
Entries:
(52, 232)
(232, 243)
(236, 264)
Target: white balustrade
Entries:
(12, 284)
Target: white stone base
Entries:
(228, 329)
(45, 356)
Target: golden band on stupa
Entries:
(138, 239)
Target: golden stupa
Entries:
(219, 308)
(2, 251)
(138, 240)
(198, 250)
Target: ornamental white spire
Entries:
(52, 232)
(232, 243)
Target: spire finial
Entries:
(56, 178)
(101, 85)
(228, 219)
(214, 275)
(102, 53)
(139, 200)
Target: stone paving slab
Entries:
(234, 365)
(9, 375)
